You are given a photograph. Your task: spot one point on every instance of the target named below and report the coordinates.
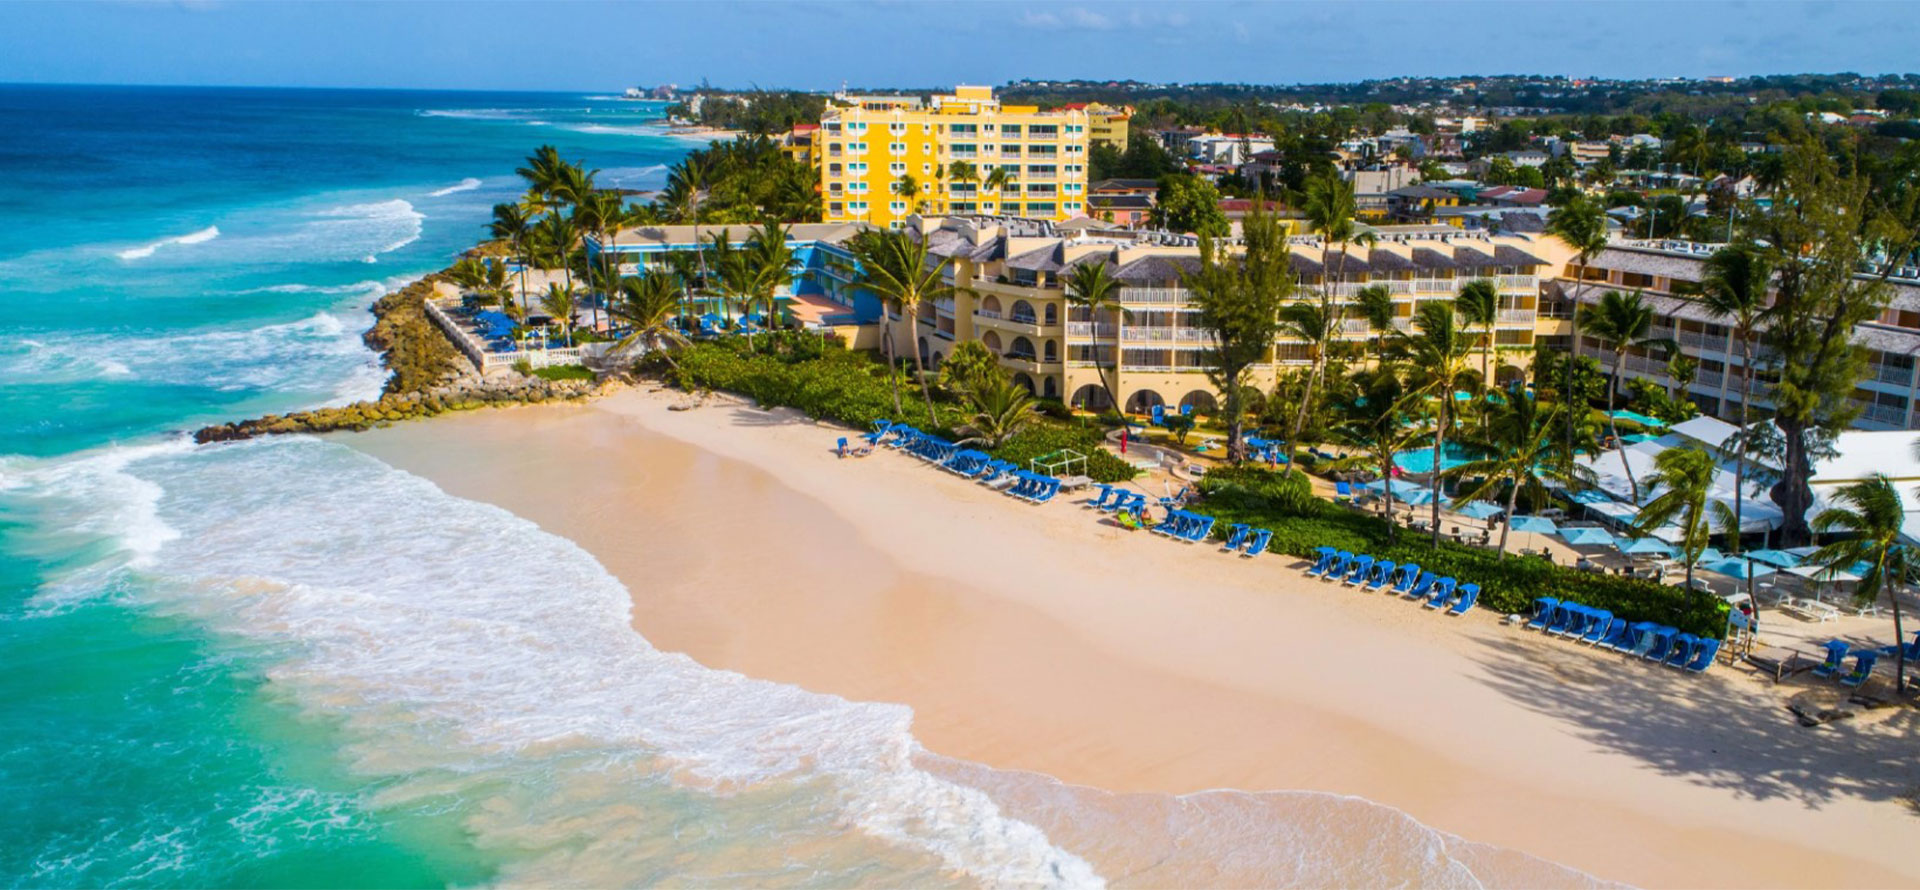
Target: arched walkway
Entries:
(991, 340)
(1023, 312)
(1050, 387)
(1142, 401)
(1199, 400)
(1023, 381)
(1050, 351)
(935, 364)
(990, 304)
(924, 351)
(1052, 314)
(1022, 347)
(1092, 397)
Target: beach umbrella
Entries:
(1802, 552)
(1416, 497)
(1537, 524)
(1776, 558)
(1737, 567)
(1711, 554)
(1647, 545)
(1586, 537)
(1823, 574)
(1478, 510)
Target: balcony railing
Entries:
(1714, 342)
(1709, 379)
(1173, 295)
(1887, 414)
(1516, 316)
(1895, 376)
(1024, 319)
(1519, 282)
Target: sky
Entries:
(804, 44)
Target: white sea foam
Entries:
(465, 185)
(321, 349)
(140, 253)
(390, 225)
(481, 663)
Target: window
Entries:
(857, 188)
(1072, 206)
(857, 147)
(1010, 129)
(926, 168)
(833, 129)
(897, 206)
(1012, 151)
(1042, 131)
(836, 207)
(1073, 188)
(898, 148)
(857, 206)
(1073, 149)
(833, 169)
(896, 129)
(1040, 170)
(856, 128)
(857, 169)
(1042, 208)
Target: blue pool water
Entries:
(1420, 460)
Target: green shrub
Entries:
(564, 372)
(1102, 465)
(1269, 500)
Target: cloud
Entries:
(1073, 18)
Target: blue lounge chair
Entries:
(1836, 655)
(1422, 587)
(1543, 611)
(1683, 646)
(1442, 592)
(1563, 616)
(1662, 643)
(1178, 498)
(1469, 594)
(1202, 528)
(1598, 628)
(1863, 663)
(1258, 543)
(1619, 637)
(1325, 561)
(1642, 640)
(880, 430)
(1408, 573)
(1342, 491)
(1107, 493)
(1703, 656)
(1342, 563)
(1911, 650)
(1382, 570)
(1361, 566)
(1236, 535)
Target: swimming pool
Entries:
(1420, 460)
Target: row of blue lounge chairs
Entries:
(1181, 525)
(1118, 499)
(1247, 540)
(1369, 573)
(1864, 660)
(1645, 639)
(979, 466)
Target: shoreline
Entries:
(1040, 640)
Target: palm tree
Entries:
(1374, 422)
(1735, 287)
(898, 268)
(1582, 225)
(1519, 437)
(1621, 321)
(1091, 286)
(997, 180)
(1376, 306)
(734, 272)
(559, 303)
(1437, 356)
(1001, 409)
(1479, 304)
(512, 223)
(771, 261)
(963, 172)
(646, 306)
(602, 213)
(1686, 474)
(555, 236)
(542, 173)
(1317, 323)
(909, 188)
(1872, 514)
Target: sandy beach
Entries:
(1041, 640)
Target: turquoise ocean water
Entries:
(285, 664)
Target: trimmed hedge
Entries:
(1259, 498)
(851, 388)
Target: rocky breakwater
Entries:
(427, 376)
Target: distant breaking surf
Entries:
(140, 253)
(466, 185)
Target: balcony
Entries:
(1884, 414)
(1515, 316)
(1896, 376)
(1519, 282)
(1709, 379)
(1171, 296)
(1022, 324)
(1705, 342)
(1016, 291)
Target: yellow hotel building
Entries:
(868, 148)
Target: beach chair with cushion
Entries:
(1563, 616)
(1382, 571)
(1362, 565)
(1543, 610)
(1641, 638)
(1662, 643)
(1342, 491)
(1620, 637)
(1108, 495)
(1049, 486)
(1836, 657)
(880, 430)
(1703, 655)
(1257, 544)
(1469, 594)
(1323, 562)
(1600, 621)
(1407, 574)
(1863, 663)
(1423, 586)
(1683, 646)
(1911, 651)
(1442, 592)
(1342, 564)
(1236, 536)
(1197, 529)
